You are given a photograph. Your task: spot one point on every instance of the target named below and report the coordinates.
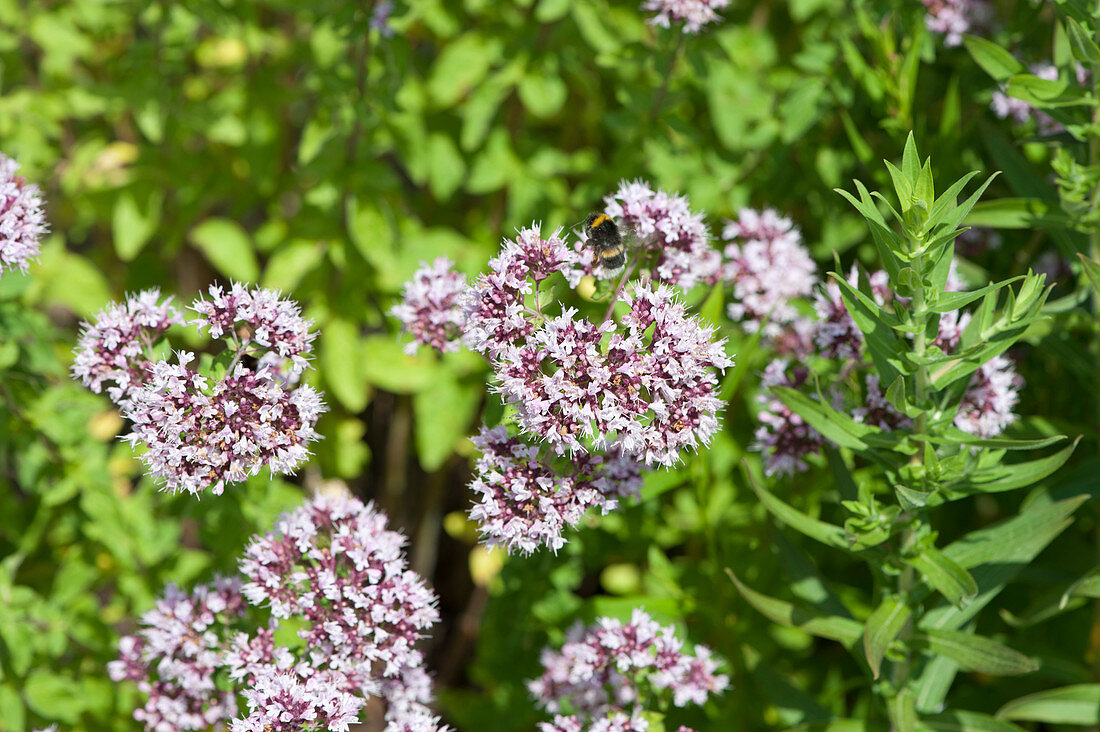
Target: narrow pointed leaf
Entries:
(878, 333)
(844, 630)
(958, 437)
(934, 682)
(947, 201)
(910, 159)
(950, 301)
(818, 530)
(1010, 477)
(1077, 704)
(958, 720)
(835, 426)
(946, 575)
(997, 62)
(978, 653)
(1092, 271)
(903, 712)
(884, 625)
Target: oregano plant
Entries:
(927, 342)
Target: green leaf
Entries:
(826, 533)
(443, 412)
(53, 697)
(291, 262)
(131, 228)
(878, 332)
(315, 134)
(793, 705)
(1081, 41)
(1092, 271)
(934, 682)
(805, 583)
(74, 282)
(12, 713)
(1087, 586)
(1077, 704)
(886, 241)
(387, 366)
(947, 202)
(844, 630)
(228, 248)
(832, 725)
(977, 653)
(994, 555)
(949, 301)
(946, 575)
(958, 437)
(834, 425)
(997, 62)
(1010, 476)
(903, 712)
(542, 93)
(461, 65)
(1048, 93)
(1017, 213)
(884, 625)
(447, 169)
(959, 720)
(341, 361)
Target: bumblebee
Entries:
(603, 234)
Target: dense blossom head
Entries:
(954, 18)
(667, 230)
(334, 564)
(334, 570)
(201, 435)
(768, 267)
(614, 722)
(175, 655)
(284, 701)
(612, 666)
(429, 310)
(986, 408)
(114, 350)
(644, 387)
(22, 221)
(694, 14)
(257, 317)
(494, 307)
(783, 436)
(523, 504)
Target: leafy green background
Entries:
(291, 145)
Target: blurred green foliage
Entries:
(292, 145)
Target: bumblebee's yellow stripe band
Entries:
(611, 252)
(599, 220)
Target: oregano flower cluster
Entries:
(605, 674)
(202, 426)
(592, 399)
(334, 570)
(22, 220)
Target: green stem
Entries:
(619, 289)
(921, 386)
(1094, 254)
